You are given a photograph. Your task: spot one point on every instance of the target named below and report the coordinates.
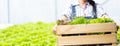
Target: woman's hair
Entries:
(91, 2)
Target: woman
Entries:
(86, 8)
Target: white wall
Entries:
(22, 11)
(112, 7)
(3, 11)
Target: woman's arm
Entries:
(105, 15)
(100, 12)
(54, 29)
(63, 20)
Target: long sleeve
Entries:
(68, 13)
(100, 11)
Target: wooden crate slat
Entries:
(88, 39)
(86, 28)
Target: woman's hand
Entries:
(104, 16)
(54, 29)
(63, 20)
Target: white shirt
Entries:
(88, 11)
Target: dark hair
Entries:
(91, 2)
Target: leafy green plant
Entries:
(118, 34)
(29, 34)
(82, 20)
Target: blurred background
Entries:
(22, 11)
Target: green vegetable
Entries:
(29, 34)
(118, 34)
(82, 20)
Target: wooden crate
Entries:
(86, 34)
